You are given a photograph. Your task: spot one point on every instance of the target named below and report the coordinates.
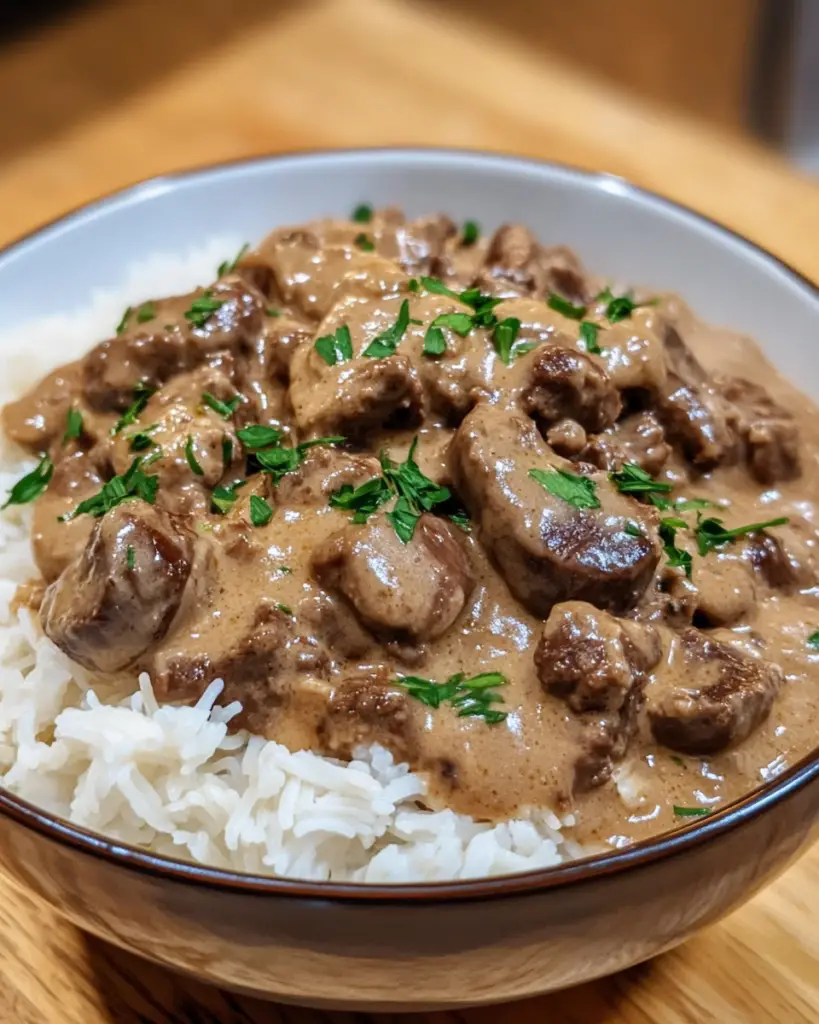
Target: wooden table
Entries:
(368, 72)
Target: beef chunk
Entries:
(547, 549)
(154, 351)
(567, 438)
(517, 264)
(786, 560)
(332, 621)
(696, 416)
(415, 244)
(567, 384)
(638, 439)
(323, 471)
(592, 660)
(709, 695)
(408, 593)
(102, 612)
(40, 416)
(367, 709)
(603, 740)
(769, 433)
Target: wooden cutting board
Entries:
(253, 77)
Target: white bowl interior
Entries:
(617, 230)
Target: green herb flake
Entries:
(278, 461)
(141, 441)
(335, 348)
(620, 307)
(223, 409)
(711, 533)
(285, 570)
(362, 214)
(142, 393)
(504, 338)
(190, 457)
(385, 343)
(434, 342)
(146, 312)
(471, 233)
(588, 335)
(633, 479)
(224, 498)
(259, 436)
(471, 698)
(404, 519)
(437, 287)
(460, 323)
(813, 640)
(261, 512)
(364, 243)
(130, 557)
(284, 608)
(633, 530)
(691, 812)
(691, 504)
(202, 309)
(413, 285)
(123, 324)
(678, 761)
(272, 311)
(73, 425)
(677, 557)
(227, 451)
(566, 308)
(228, 266)
(579, 491)
(32, 485)
(411, 483)
(134, 484)
(461, 520)
(362, 501)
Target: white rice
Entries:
(172, 779)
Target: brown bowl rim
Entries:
(666, 845)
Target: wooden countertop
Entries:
(375, 72)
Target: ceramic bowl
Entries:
(433, 945)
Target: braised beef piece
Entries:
(786, 558)
(603, 740)
(367, 709)
(151, 351)
(638, 439)
(565, 384)
(118, 598)
(333, 622)
(415, 244)
(408, 593)
(769, 433)
(547, 549)
(709, 695)
(323, 471)
(567, 438)
(696, 416)
(40, 416)
(517, 264)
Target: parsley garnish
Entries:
(272, 311)
(434, 342)
(285, 569)
(619, 307)
(677, 557)
(385, 343)
(73, 425)
(460, 323)
(711, 533)
(202, 308)
(432, 284)
(410, 483)
(404, 519)
(471, 698)
(362, 214)
(335, 348)
(32, 485)
(461, 520)
(284, 608)
(364, 243)
(692, 503)
(505, 341)
(471, 233)
(131, 485)
(364, 500)
(228, 266)
(126, 316)
(224, 409)
(588, 335)
(633, 479)
(413, 285)
(633, 530)
(278, 461)
(146, 312)
(260, 511)
(813, 640)
(568, 309)
(191, 457)
(224, 498)
(142, 392)
(227, 451)
(259, 436)
(130, 557)
(691, 812)
(579, 491)
(141, 440)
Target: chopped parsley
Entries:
(146, 312)
(460, 323)
(190, 457)
(123, 323)
(362, 214)
(261, 511)
(471, 233)
(691, 812)
(579, 491)
(504, 338)
(272, 311)
(141, 440)
(434, 342)
(633, 479)
(227, 451)
(130, 557)
(228, 266)
(335, 348)
(568, 309)
(413, 285)
(471, 698)
(385, 343)
(588, 335)
(224, 409)
(32, 485)
(285, 570)
(202, 309)
(692, 503)
(404, 519)
(633, 529)
(678, 558)
(131, 485)
(142, 392)
(73, 425)
(284, 608)
(711, 533)
(364, 243)
(278, 461)
(259, 436)
(461, 520)
(813, 640)
(364, 500)
(619, 307)
(437, 287)
(224, 498)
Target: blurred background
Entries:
(98, 94)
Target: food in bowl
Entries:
(487, 562)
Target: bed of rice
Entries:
(173, 779)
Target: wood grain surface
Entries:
(119, 96)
